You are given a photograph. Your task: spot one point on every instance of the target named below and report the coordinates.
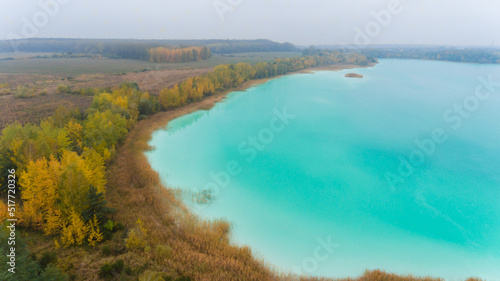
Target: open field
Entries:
(77, 66)
(69, 66)
(151, 81)
(47, 74)
(22, 55)
(39, 107)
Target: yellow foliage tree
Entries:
(188, 90)
(77, 174)
(103, 130)
(170, 55)
(75, 231)
(170, 98)
(28, 143)
(94, 233)
(136, 238)
(39, 186)
(54, 192)
(95, 169)
(75, 130)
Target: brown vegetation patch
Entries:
(37, 108)
(149, 80)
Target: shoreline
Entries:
(161, 210)
(480, 63)
(167, 218)
(208, 102)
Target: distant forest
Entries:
(474, 55)
(138, 49)
(192, 50)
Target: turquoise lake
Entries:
(328, 176)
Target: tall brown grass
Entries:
(200, 249)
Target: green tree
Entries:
(26, 268)
(95, 205)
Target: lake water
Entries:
(328, 176)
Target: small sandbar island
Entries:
(353, 75)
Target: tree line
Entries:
(171, 55)
(137, 49)
(249, 46)
(61, 165)
(474, 55)
(225, 77)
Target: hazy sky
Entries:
(449, 22)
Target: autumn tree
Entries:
(40, 193)
(102, 131)
(170, 98)
(21, 144)
(172, 55)
(63, 115)
(75, 135)
(77, 175)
